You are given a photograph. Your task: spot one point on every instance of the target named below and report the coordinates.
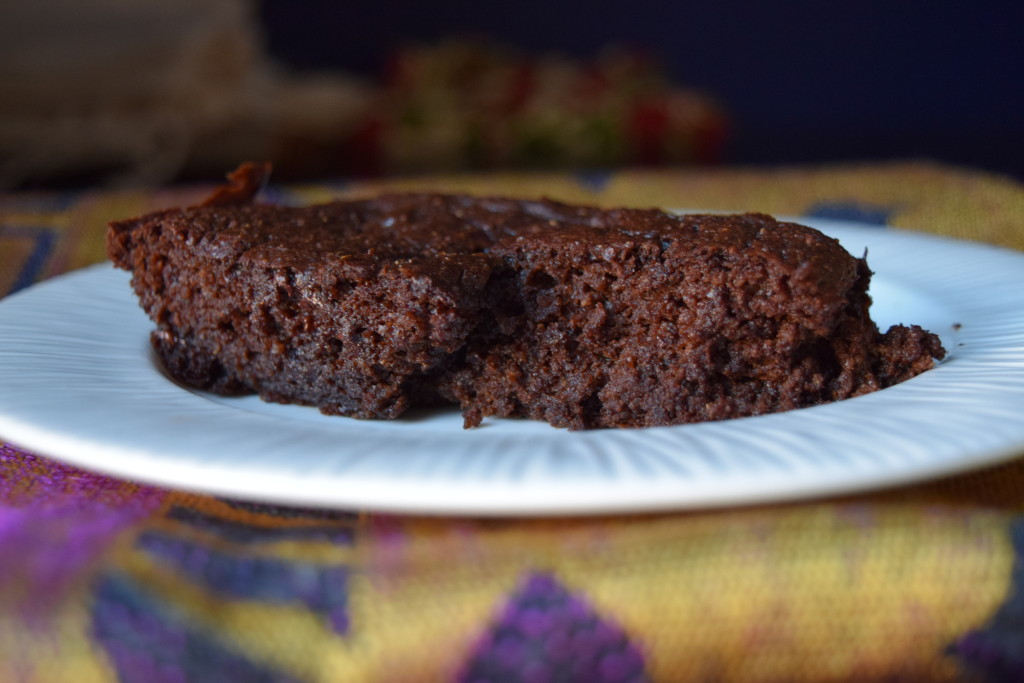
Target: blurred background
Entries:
(131, 92)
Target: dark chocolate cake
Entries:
(579, 316)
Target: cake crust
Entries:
(579, 316)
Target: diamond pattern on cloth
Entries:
(547, 634)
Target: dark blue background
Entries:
(804, 81)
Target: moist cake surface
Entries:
(579, 316)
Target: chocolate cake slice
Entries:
(579, 316)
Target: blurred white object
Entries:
(137, 89)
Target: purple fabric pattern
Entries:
(56, 523)
(323, 589)
(147, 642)
(546, 634)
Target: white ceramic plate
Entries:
(78, 382)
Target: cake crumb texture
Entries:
(578, 316)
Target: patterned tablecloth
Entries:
(104, 580)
